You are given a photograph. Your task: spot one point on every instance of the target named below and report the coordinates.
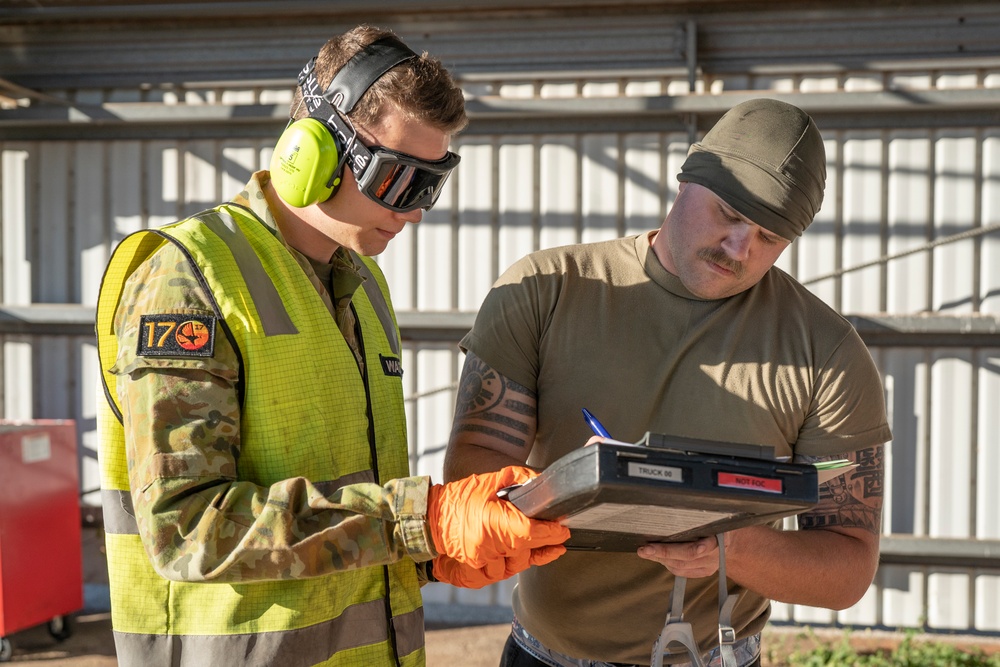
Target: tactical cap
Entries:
(766, 159)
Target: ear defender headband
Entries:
(308, 160)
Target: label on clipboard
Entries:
(651, 471)
(732, 480)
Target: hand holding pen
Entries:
(595, 424)
(600, 433)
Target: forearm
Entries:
(831, 560)
(468, 459)
(821, 568)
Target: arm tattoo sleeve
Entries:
(492, 406)
(851, 500)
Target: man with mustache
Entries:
(688, 330)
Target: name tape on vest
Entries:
(391, 366)
(176, 335)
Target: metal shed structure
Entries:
(119, 116)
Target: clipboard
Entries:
(616, 496)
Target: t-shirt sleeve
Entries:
(848, 411)
(510, 324)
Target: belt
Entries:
(746, 651)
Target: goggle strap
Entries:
(355, 153)
(363, 69)
(311, 95)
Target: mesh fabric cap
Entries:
(766, 159)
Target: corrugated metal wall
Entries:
(580, 121)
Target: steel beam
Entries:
(489, 115)
(937, 552)
(880, 330)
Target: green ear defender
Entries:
(304, 163)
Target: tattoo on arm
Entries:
(851, 500)
(492, 406)
(480, 389)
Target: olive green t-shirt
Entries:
(604, 326)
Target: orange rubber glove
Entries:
(471, 525)
(450, 571)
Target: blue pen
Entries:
(595, 425)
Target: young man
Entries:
(257, 498)
(688, 330)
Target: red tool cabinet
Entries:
(41, 564)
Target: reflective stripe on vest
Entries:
(273, 315)
(374, 292)
(279, 326)
(265, 297)
(353, 632)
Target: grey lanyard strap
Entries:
(727, 602)
(675, 630)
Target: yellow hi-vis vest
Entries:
(299, 383)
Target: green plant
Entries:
(910, 652)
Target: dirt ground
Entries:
(90, 644)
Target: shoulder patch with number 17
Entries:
(172, 335)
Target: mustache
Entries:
(719, 257)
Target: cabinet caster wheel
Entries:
(59, 628)
(6, 649)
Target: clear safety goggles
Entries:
(398, 181)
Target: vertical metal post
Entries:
(691, 33)
(691, 48)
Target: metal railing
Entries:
(882, 330)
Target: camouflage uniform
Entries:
(183, 423)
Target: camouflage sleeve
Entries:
(425, 573)
(197, 519)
